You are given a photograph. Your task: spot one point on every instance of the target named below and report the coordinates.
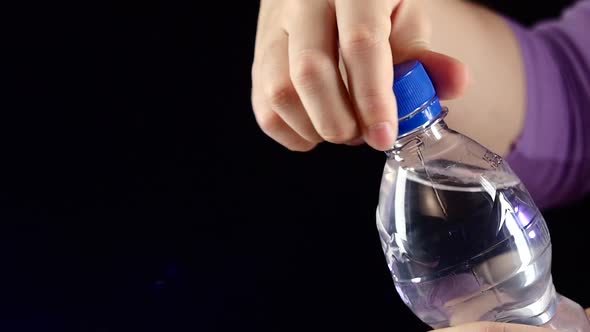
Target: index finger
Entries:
(363, 32)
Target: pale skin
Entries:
(497, 327)
(322, 70)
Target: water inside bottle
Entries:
(465, 244)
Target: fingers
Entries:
(450, 76)
(410, 31)
(269, 120)
(280, 93)
(410, 37)
(492, 327)
(313, 67)
(275, 127)
(364, 28)
(299, 95)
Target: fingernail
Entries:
(381, 136)
(356, 141)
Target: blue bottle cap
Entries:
(417, 102)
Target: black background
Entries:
(138, 194)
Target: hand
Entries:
(323, 69)
(494, 327)
(497, 327)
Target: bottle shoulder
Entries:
(442, 156)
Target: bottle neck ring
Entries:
(421, 118)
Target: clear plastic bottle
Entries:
(462, 237)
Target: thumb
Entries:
(411, 31)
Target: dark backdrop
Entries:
(138, 194)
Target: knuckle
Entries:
(372, 92)
(301, 146)
(337, 135)
(374, 102)
(363, 37)
(269, 122)
(311, 135)
(408, 49)
(418, 44)
(280, 94)
(309, 68)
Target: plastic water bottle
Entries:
(462, 237)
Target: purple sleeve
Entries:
(552, 154)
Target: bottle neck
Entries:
(419, 118)
(431, 131)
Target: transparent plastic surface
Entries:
(462, 237)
